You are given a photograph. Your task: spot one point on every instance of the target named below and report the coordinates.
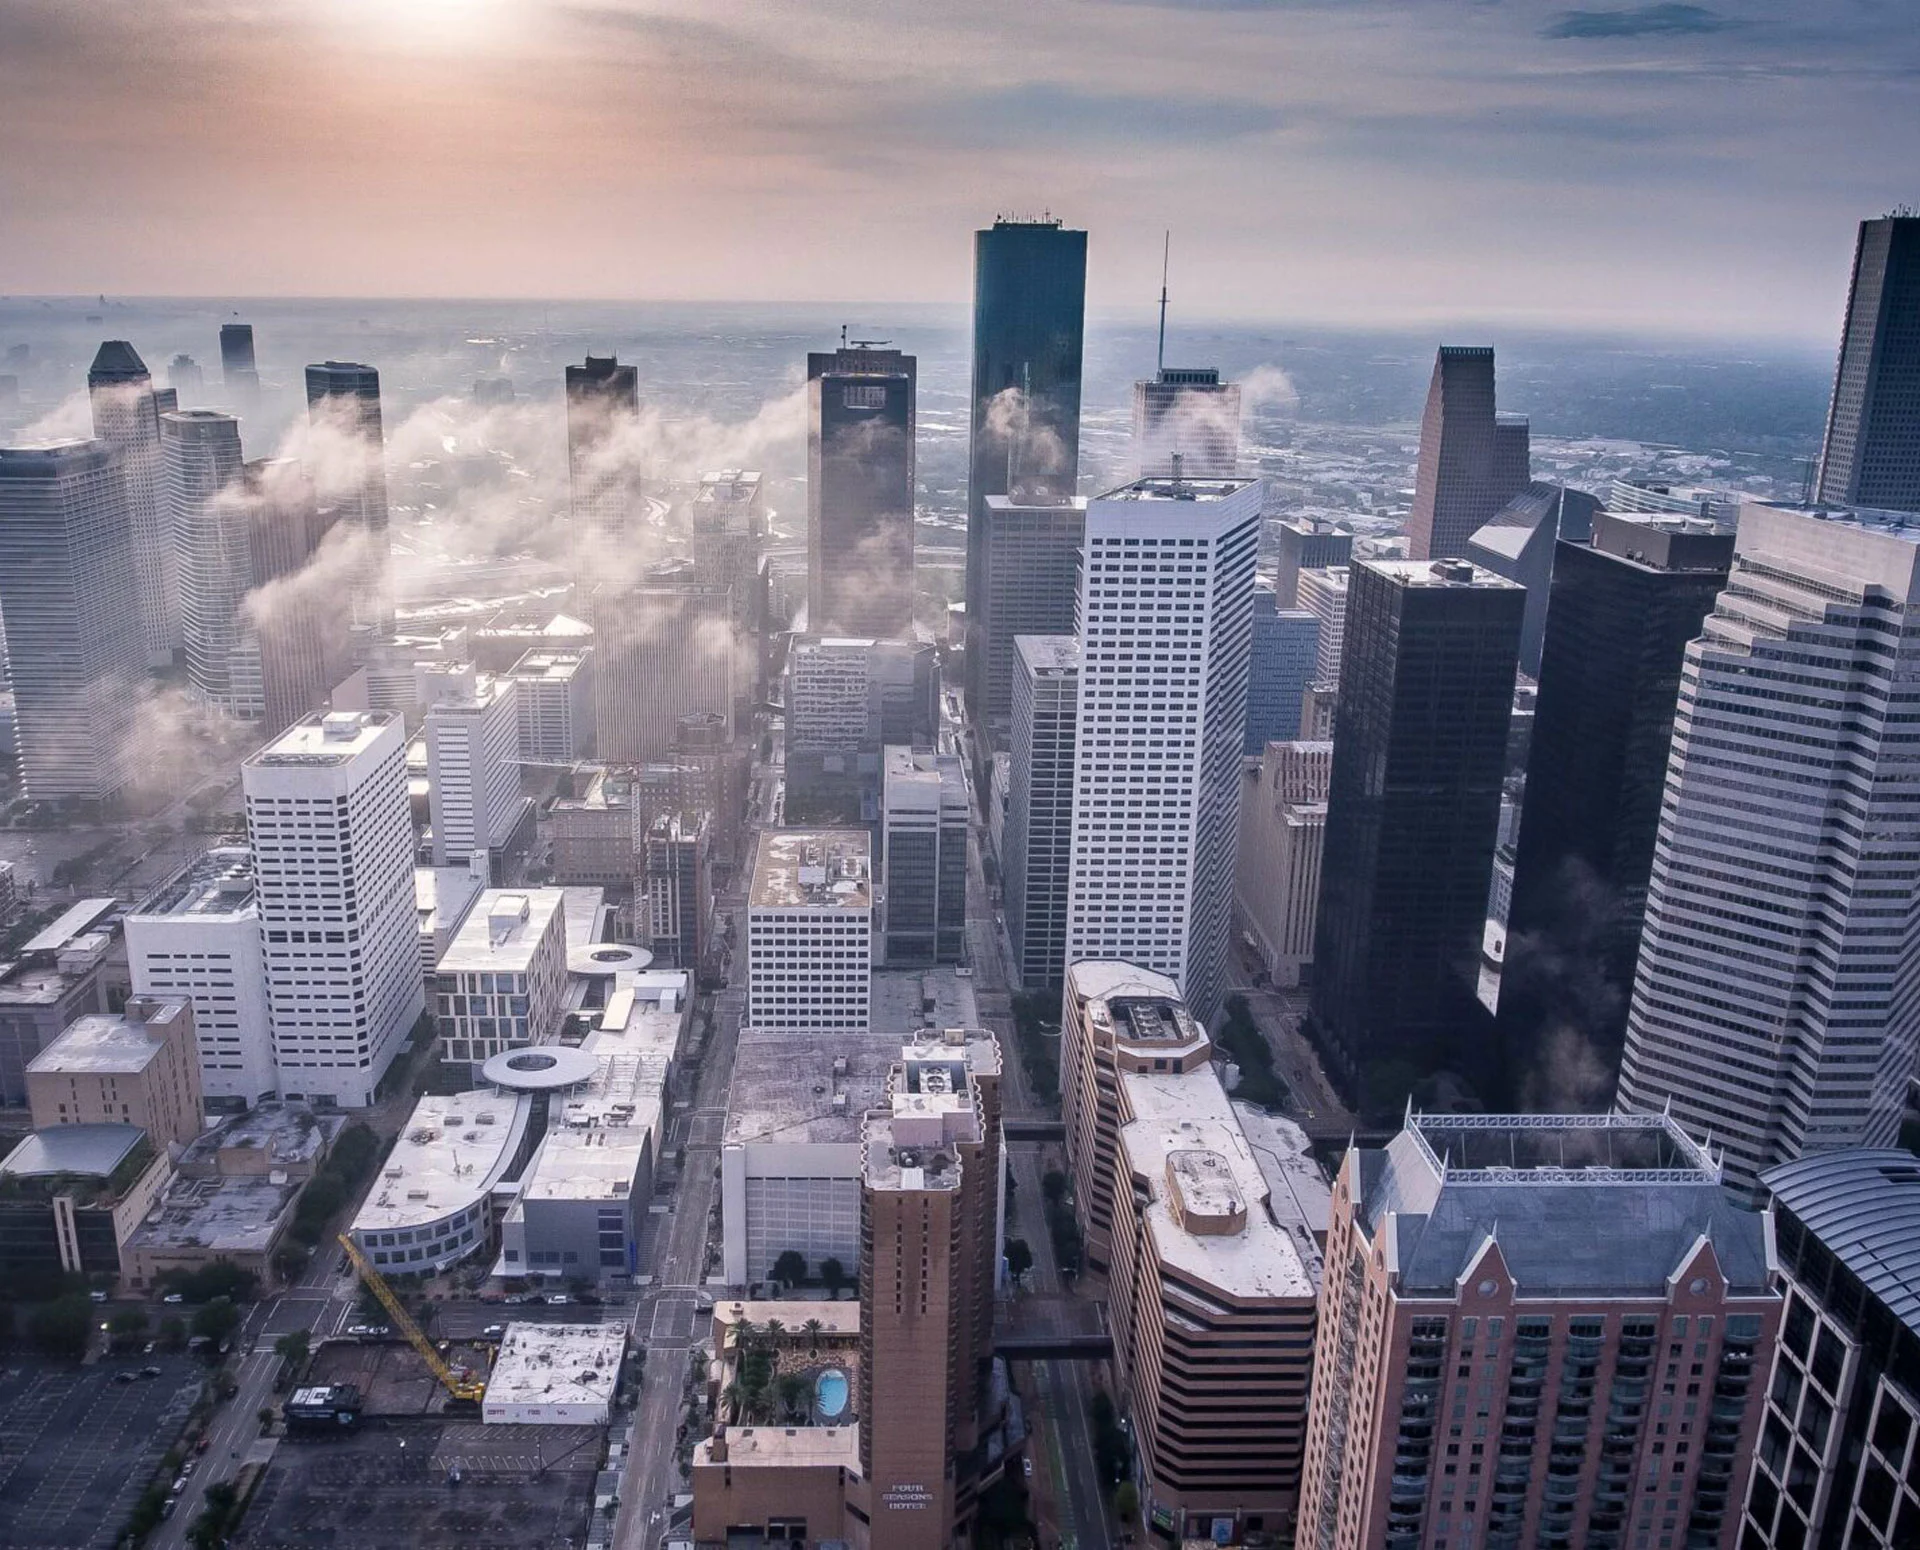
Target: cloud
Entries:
(1640, 21)
(1039, 113)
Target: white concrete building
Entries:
(198, 936)
(1036, 847)
(555, 1375)
(502, 983)
(332, 844)
(432, 1205)
(1323, 593)
(790, 1156)
(1166, 629)
(441, 898)
(1276, 878)
(810, 932)
(473, 773)
(1774, 1003)
(553, 692)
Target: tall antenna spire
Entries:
(1166, 252)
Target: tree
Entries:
(813, 1328)
(289, 1260)
(1019, 1257)
(1126, 1502)
(793, 1389)
(1053, 1185)
(173, 1332)
(293, 1347)
(790, 1269)
(834, 1274)
(127, 1326)
(62, 1328)
(216, 1320)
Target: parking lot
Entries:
(77, 1448)
(393, 1488)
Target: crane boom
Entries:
(459, 1388)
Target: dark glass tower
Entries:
(237, 368)
(1473, 460)
(1872, 451)
(346, 396)
(1029, 321)
(603, 398)
(1413, 812)
(860, 492)
(1623, 609)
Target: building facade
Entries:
(846, 700)
(923, 857)
(1473, 460)
(1037, 852)
(1286, 653)
(70, 606)
(502, 982)
(810, 918)
(210, 523)
(1413, 809)
(343, 402)
(663, 649)
(137, 1067)
(1305, 543)
(1770, 1005)
(1536, 1330)
(1165, 623)
(126, 416)
(860, 491)
(1186, 412)
(1283, 825)
(332, 842)
(603, 481)
(473, 770)
(1029, 579)
(1624, 608)
(198, 937)
(1871, 456)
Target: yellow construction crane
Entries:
(460, 1388)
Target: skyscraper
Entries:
(332, 841)
(1030, 577)
(292, 620)
(71, 609)
(1624, 608)
(1038, 850)
(1773, 1000)
(846, 700)
(1502, 1293)
(664, 648)
(185, 376)
(1029, 319)
(1283, 827)
(1189, 413)
(210, 522)
(237, 369)
(1413, 806)
(1472, 459)
(473, 773)
(345, 398)
(860, 491)
(923, 858)
(1872, 451)
(1519, 543)
(1165, 623)
(1286, 648)
(126, 416)
(603, 408)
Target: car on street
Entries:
(359, 1331)
(125, 1377)
(558, 1300)
(173, 1299)
(1026, 1467)
(149, 1372)
(493, 1332)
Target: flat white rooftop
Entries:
(332, 738)
(503, 930)
(215, 885)
(1168, 489)
(557, 1364)
(451, 1153)
(1440, 573)
(1181, 1118)
(787, 1446)
(826, 869)
(1104, 978)
(549, 665)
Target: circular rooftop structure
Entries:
(607, 958)
(541, 1069)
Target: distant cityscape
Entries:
(891, 966)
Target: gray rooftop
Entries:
(217, 882)
(1580, 1205)
(92, 1150)
(231, 1216)
(796, 1088)
(1864, 1205)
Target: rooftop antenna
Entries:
(843, 336)
(1166, 252)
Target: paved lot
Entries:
(520, 1488)
(77, 1449)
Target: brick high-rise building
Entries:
(1473, 460)
(1536, 1330)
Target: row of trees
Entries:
(1036, 1030)
(1241, 1038)
(1062, 1225)
(790, 1270)
(355, 1155)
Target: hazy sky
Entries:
(1670, 165)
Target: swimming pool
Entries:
(830, 1394)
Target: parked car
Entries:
(493, 1332)
(558, 1300)
(359, 1331)
(97, 1297)
(173, 1299)
(149, 1372)
(125, 1377)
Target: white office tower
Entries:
(473, 770)
(1776, 1004)
(1323, 593)
(810, 932)
(198, 936)
(72, 619)
(126, 416)
(1037, 854)
(1186, 413)
(554, 691)
(333, 878)
(210, 522)
(1166, 629)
